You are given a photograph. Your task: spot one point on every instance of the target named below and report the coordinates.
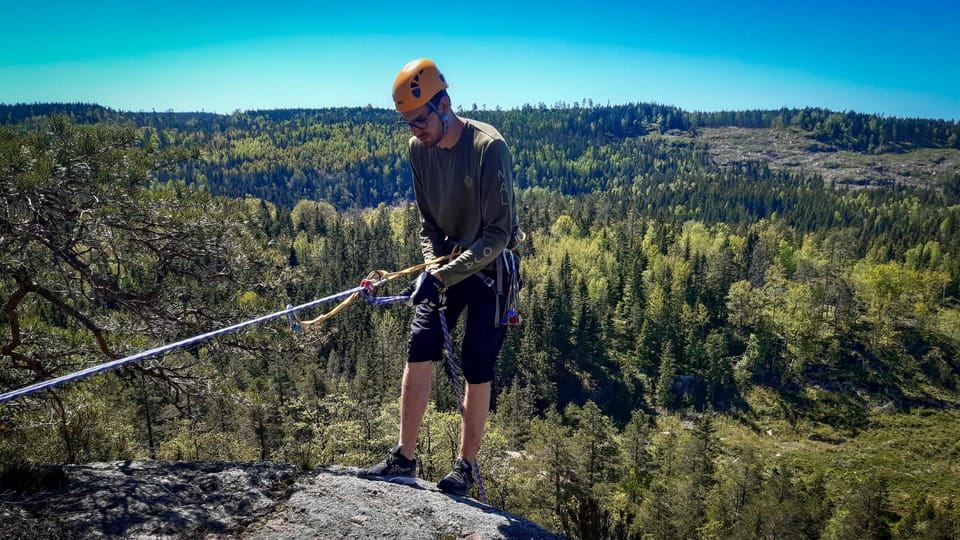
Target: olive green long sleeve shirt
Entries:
(465, 197)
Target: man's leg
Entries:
(476, 404)
(414, 394)
(481, 345)
(400, 465)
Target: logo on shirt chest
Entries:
(468, 180)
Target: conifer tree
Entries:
(664, 394)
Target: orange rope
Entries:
(377, 278)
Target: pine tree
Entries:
(664, 394)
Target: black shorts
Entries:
(482, 340)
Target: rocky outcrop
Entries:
(263, 501)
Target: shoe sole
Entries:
(449, 491)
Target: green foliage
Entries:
(861, 513)
(658, 288)
(930, 518)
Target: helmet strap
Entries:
(444, 118)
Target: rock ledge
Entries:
(265, 501)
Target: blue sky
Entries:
(895, 58)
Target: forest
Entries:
(707, 350)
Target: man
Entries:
(464, 190)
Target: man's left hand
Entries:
(426, 289)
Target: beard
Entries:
(429, 139)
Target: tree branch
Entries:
(67, 309)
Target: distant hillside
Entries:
(355, 157)
(789, 150)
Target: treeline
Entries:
(649, 308)
(354, 157)
(849, 130)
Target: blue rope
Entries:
(382, 300)
(36, 387)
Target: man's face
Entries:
(425, 124)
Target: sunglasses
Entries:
(419, 123)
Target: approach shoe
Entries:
(459, 480)
(394, 468)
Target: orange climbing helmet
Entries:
(416, 84)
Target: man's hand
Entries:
(426, 289)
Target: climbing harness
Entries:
(508, 286)
(507, 283)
